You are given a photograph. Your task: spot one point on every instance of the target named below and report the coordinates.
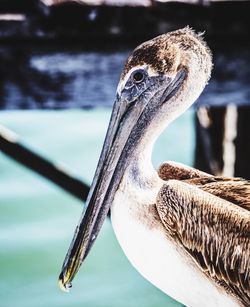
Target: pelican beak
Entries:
(106, 180)
(129, 117)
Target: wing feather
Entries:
(214, 232)
(235, 190)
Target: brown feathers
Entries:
(235, 190)
(209, 216)
(163, 52)
(214, 232)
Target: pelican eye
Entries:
(138, 76)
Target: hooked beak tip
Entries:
(64, 285)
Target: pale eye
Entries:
(138, 76)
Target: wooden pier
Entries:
(122, 21)
(105, 23)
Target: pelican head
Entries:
(160, 80)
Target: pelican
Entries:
(185, 231)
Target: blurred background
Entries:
(60, 63)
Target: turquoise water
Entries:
(37, 219)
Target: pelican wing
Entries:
(235, 190)
(214, 232)
(175, 170)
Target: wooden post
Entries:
(222, 140)
(242, 143)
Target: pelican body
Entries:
(184, 230)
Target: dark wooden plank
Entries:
(14, 149)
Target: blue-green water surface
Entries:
(37, 219)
